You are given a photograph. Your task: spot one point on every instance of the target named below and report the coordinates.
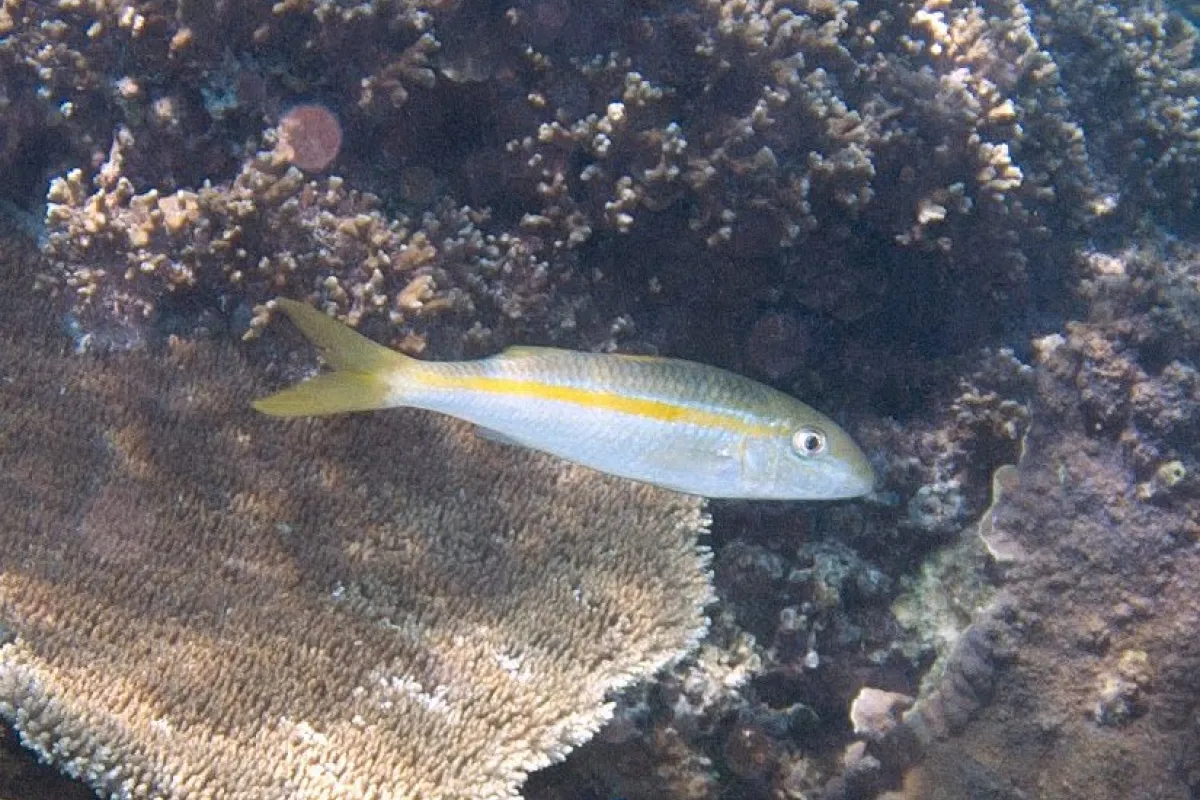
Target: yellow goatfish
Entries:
(676, 424)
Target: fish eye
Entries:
(808, 442)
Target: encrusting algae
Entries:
(676, 424)
(197, 602)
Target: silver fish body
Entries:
(677, 424)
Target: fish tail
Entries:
(364, 372)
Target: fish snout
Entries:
(857, 474)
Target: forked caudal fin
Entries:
(360, 382)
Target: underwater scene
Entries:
(599, 400)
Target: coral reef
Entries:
(939, 219)
(755, 126)
(1079, 680)
(1130, 76)
(147, 263)
(199, 601)
(198, 79)
(1099, 623)
(1048, 645)
(814, 145)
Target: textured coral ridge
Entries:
(1083, 677)
(199, 602)
(1099, 632)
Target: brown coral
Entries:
(197, 78)
(1102, 577)
(846, 152)
(202, 602)
(1098, 523)
(927, 161)
(919, 148)
(122, 256)
(1130, 76)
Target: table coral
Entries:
(200, 601)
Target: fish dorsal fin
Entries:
(645, 359)
(522, 351)
(519, 351)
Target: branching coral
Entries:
(1131, 77)
(121, 255)
(931, 140)
(915, 151)
(198, 78)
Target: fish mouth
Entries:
(847, 487)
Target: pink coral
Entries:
(310, 137)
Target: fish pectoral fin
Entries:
(498, 437)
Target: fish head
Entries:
(809, 457)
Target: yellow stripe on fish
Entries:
(676, 424)
(609, 401)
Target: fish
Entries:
(676, 424)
